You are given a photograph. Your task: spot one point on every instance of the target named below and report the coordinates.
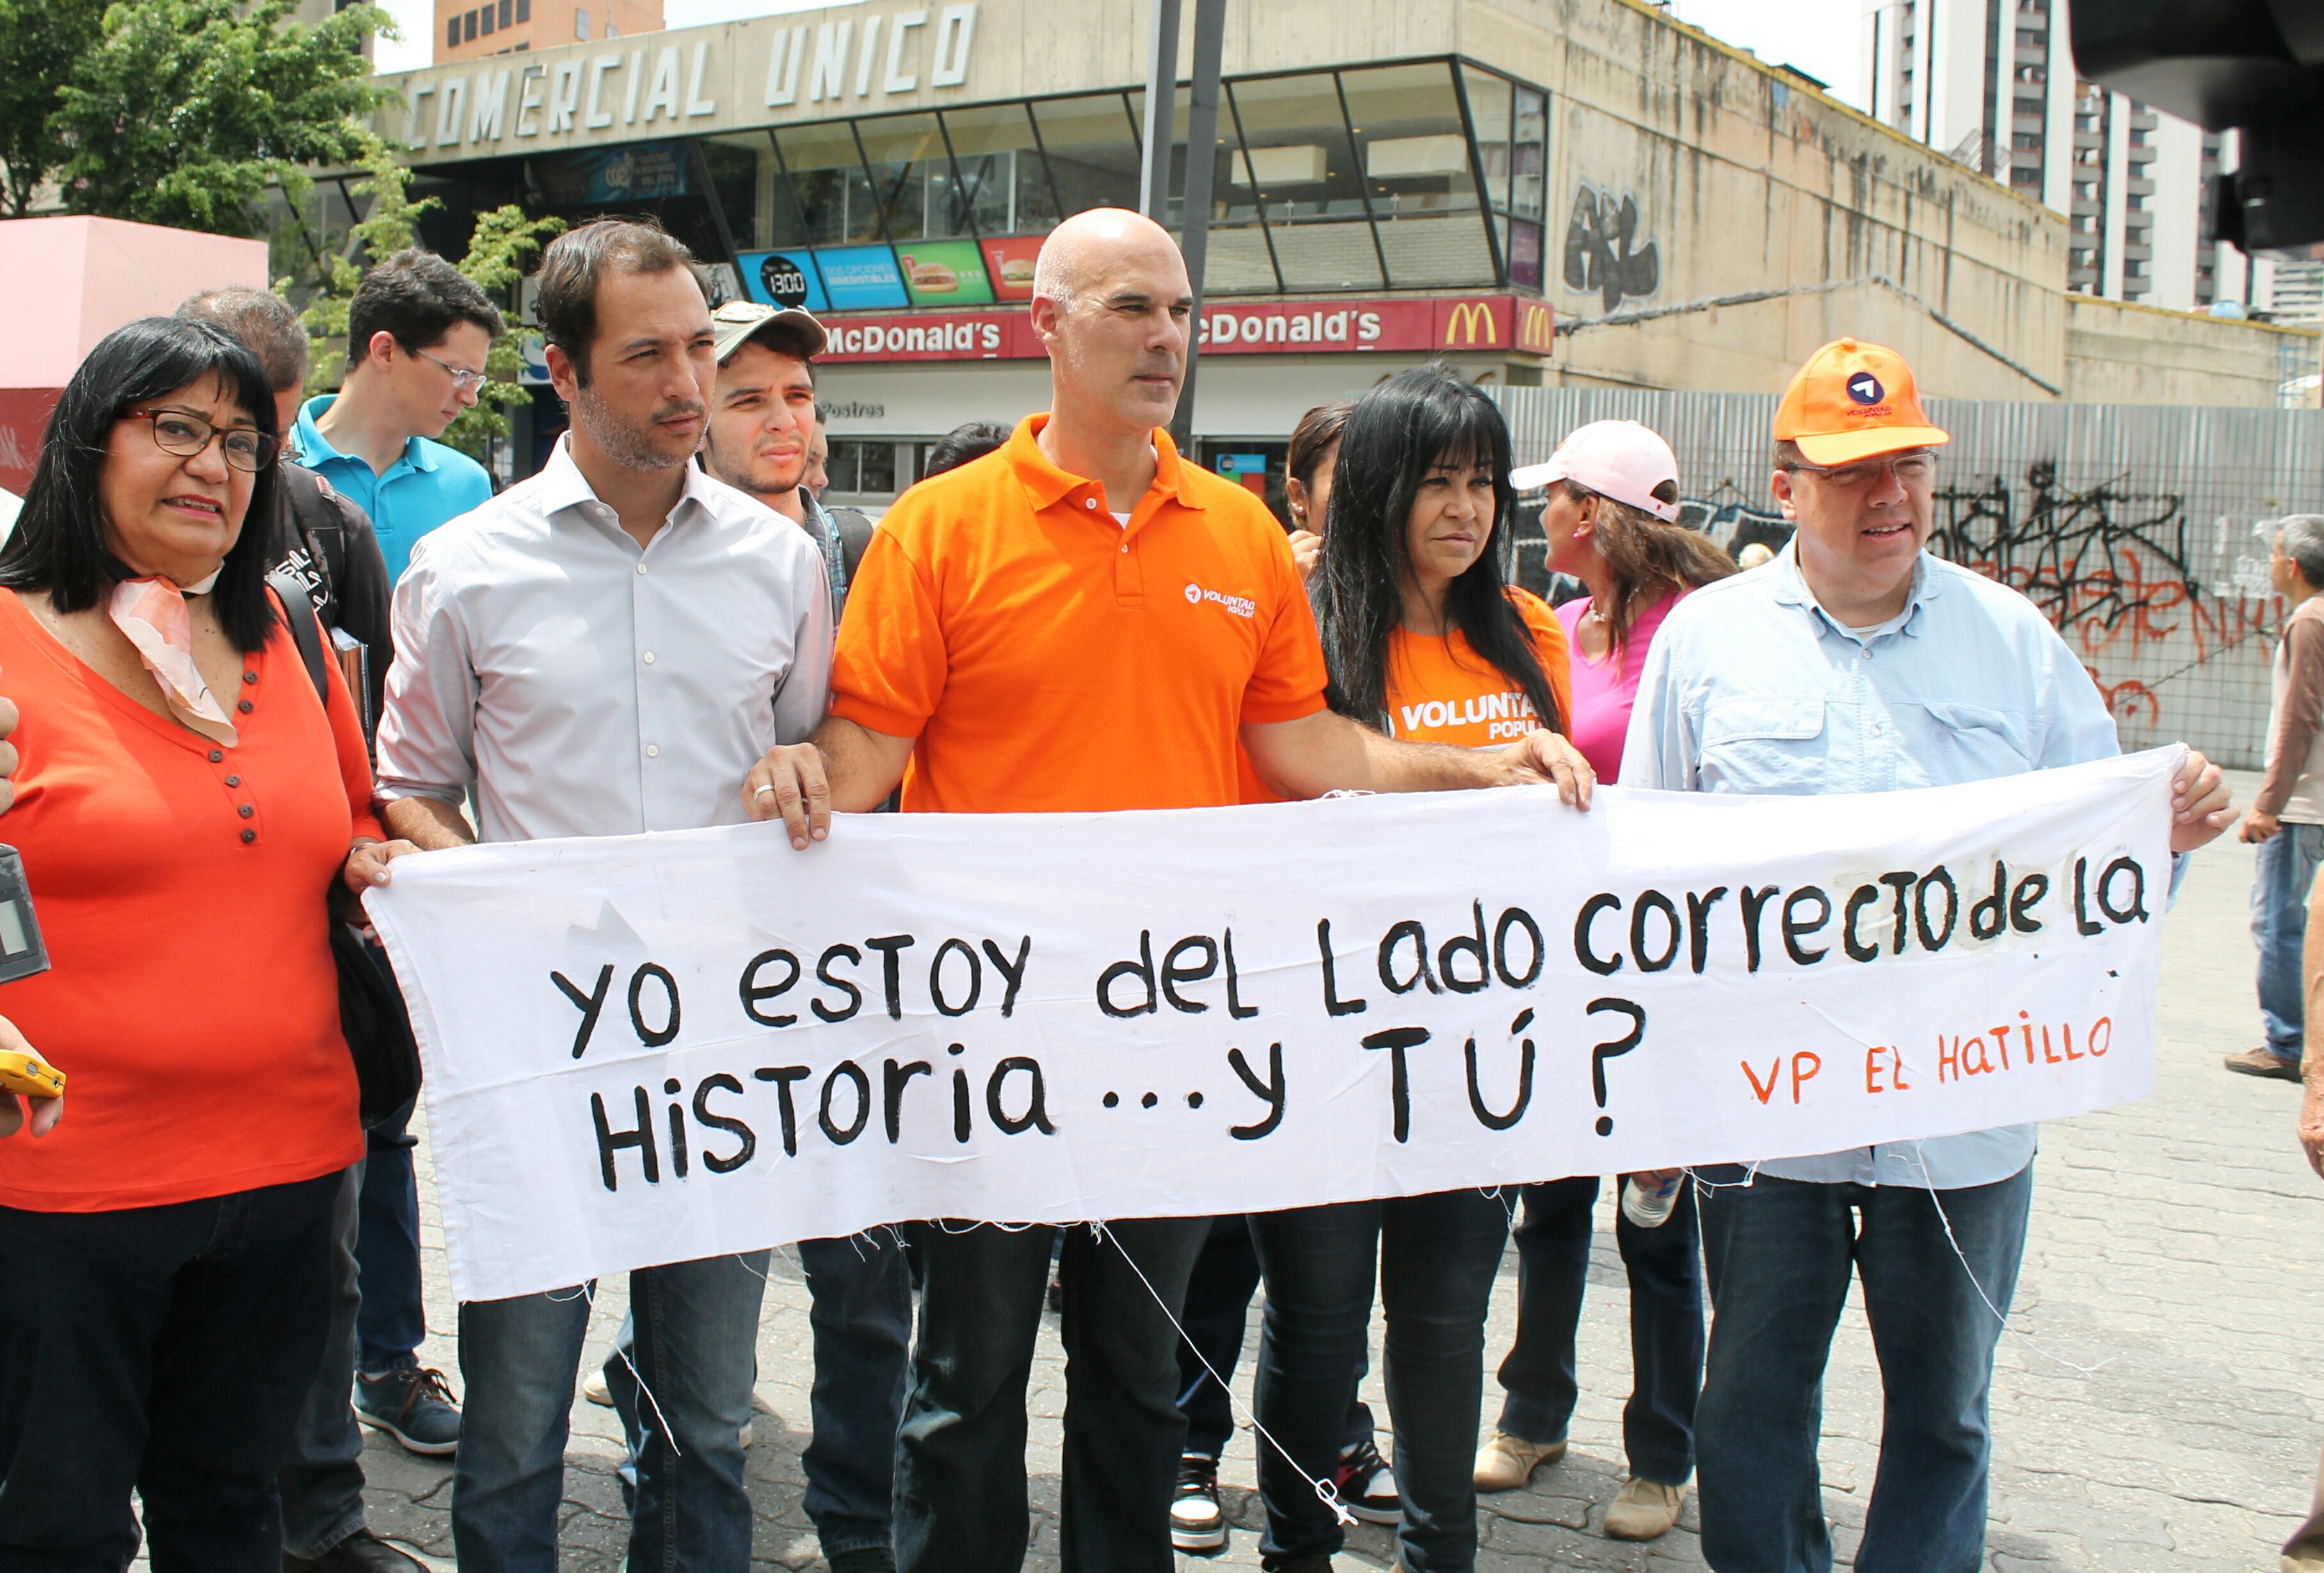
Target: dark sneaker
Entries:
(2263, 1063)
(863, 1559)
(360, 1553)
(412, 1405)
(1196, 1524)
(1366, 1485)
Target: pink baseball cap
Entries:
(1621, 459)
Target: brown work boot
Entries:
(1643, 1509)
(1508, 1462)
(2263, 1063)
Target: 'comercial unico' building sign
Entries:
(697, 79)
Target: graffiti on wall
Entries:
(1735, 524)
(1604, 252)
(2112, 565)
(2117, 566)
(2141, 531)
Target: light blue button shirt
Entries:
(428, 485)
(1751, 686)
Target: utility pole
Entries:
(1161, 111)
(1202, 155)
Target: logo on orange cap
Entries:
(1854, 400)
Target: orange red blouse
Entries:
(192, 1001)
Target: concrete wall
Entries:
(1781, 218)
(1769, 217)
(2120, 353)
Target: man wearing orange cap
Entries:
(1857, 662)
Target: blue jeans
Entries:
(322, 1474)
(1665, 1272)
(165, 1350)
(1218, 1308)
(696, 1344)
(1436, 1256)
(1779, 1254)
(2284, 869)
(960, 1466)
(376, 1319)
(861, 1314)
(390, 1322)
(861, 1319)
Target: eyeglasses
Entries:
(177, 432)
(462, 378)
(1916, 468)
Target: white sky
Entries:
(1819, 36)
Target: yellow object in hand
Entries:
(30, 1075)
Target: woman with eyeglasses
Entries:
(1423, 639)
(185, 804)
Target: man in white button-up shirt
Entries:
(605, 648)
(1856, 662)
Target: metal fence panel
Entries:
(2135, 528)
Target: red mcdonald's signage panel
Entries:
(1232, 327)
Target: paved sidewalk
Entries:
(2161, 1406)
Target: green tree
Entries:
(185, 110)
(503, 241)
(392, 224)
(36, 38)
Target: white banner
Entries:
(654, 1048)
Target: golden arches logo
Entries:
(1466, 319)
(1536, 329)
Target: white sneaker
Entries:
(1197, 1524)
(594, 1388)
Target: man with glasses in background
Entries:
(417, 332)
(1857, 661)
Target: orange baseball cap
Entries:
(1852, 400)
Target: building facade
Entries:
(1559, 192)
(1992, 84)
(469, 29)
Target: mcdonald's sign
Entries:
(1536, 326)
(1465, 325)
(1473, 324)
(1493, 322)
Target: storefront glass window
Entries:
(1242, 259)
(1239, 262)
(1297, 160)
(1002, 183)
(1529, 154)
(860, 468)
(1417, 170)
(1489, 112)
(740, 165)
(781, 223)
(909, 177)
(1093, 148)
(823, 163)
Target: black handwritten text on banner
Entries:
(655, 1048)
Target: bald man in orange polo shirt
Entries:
(1080, 622)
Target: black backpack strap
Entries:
(299, 611)
(855, 529)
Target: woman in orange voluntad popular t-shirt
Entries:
(185, 803)
(1423, 641)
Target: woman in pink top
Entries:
(1612, 522)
